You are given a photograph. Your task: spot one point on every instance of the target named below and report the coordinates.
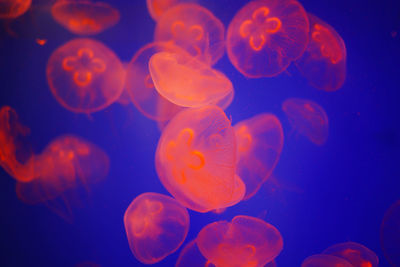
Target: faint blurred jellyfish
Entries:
(11, 9)
(196, 159)
(246, 241)
(308, 118)
(390, 234)
(188, 82)
(324, 62)
(321, 260)
(84, 17)
(265, 36)
(355, 253)
(156, 226)
(259, 145)
(85, 76)
(191, 256)
(195, 29)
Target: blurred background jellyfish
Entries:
(321, 260)
(355, 253)
(11, 9)
(390, 234)
(156, 226)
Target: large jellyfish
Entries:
(85, 76)
(265, 36)
(323, 63)
(308, 118)
(11, 9)
(196, 159)
(322, 260)
(246, 241)
(259, 145)
(355, 253)
(390, 234)
(84, 17)
(156, 226)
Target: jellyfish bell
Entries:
(11, 9)
(84, 17)
(157, 8)
(358, 255)
(322, 260)
(85, 76)
(156, 226)
(390, 234)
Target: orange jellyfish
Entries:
(156, 226)
(390, 234)
(188, 82)
(191, 256)
(84, 17)
(246, 241)
(157, 8)
(195, 29)
(140, 86)
(15, 155)
(321, 260)
(196, 159)
(308, 118)
(259, 145)
(355, 253)
(323, 63)
(85, 76)
(11, 9)
(265, 36)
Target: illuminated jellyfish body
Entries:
(193, 28)
(259, 144)
(157, 8)
(308, 118)
(85, 76)
(390, 234)
(265, 36)
(191, 256)
(196, 159)
(156, 226)
(15, 157)
(246, 241)
(140, 86)
(84, 17)
(323, 63)
(11, 9)
(188, 82)
(355, 253)
(321, 260)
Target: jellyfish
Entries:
(321, 260)
(265, 36)
(196, 159)
(157, 8)
(84, 17)
(85, 76)
(308, 118)
(11, 9)
(246, 241)
(355, 253)
(191, 256)
(195, 29)
(140, 86)
(323, 63)
(259, 145)
(188, 82)
(390, 234)
(156, 226)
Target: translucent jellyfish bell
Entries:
(358, 255)
(156, 226)
(265, 36)
(188, 82)
(11, 9)
(246, 241)
(390, 234)
(196, 159)
(321, 260)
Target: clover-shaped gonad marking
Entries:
(193, 34)
(329, 46)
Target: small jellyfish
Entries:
(140, 86)
(265, 36)
(188, 82)
(196, 159)
(308, 118)
(390, 234)
(259, 145)
(84, 17)
(355, 253)
(323, 63)
(191, 256)
(246, 241)
(195, 29)
(85, 76)
(156, 226)
(11, 9)
(321, 260)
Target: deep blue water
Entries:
(325, 195)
